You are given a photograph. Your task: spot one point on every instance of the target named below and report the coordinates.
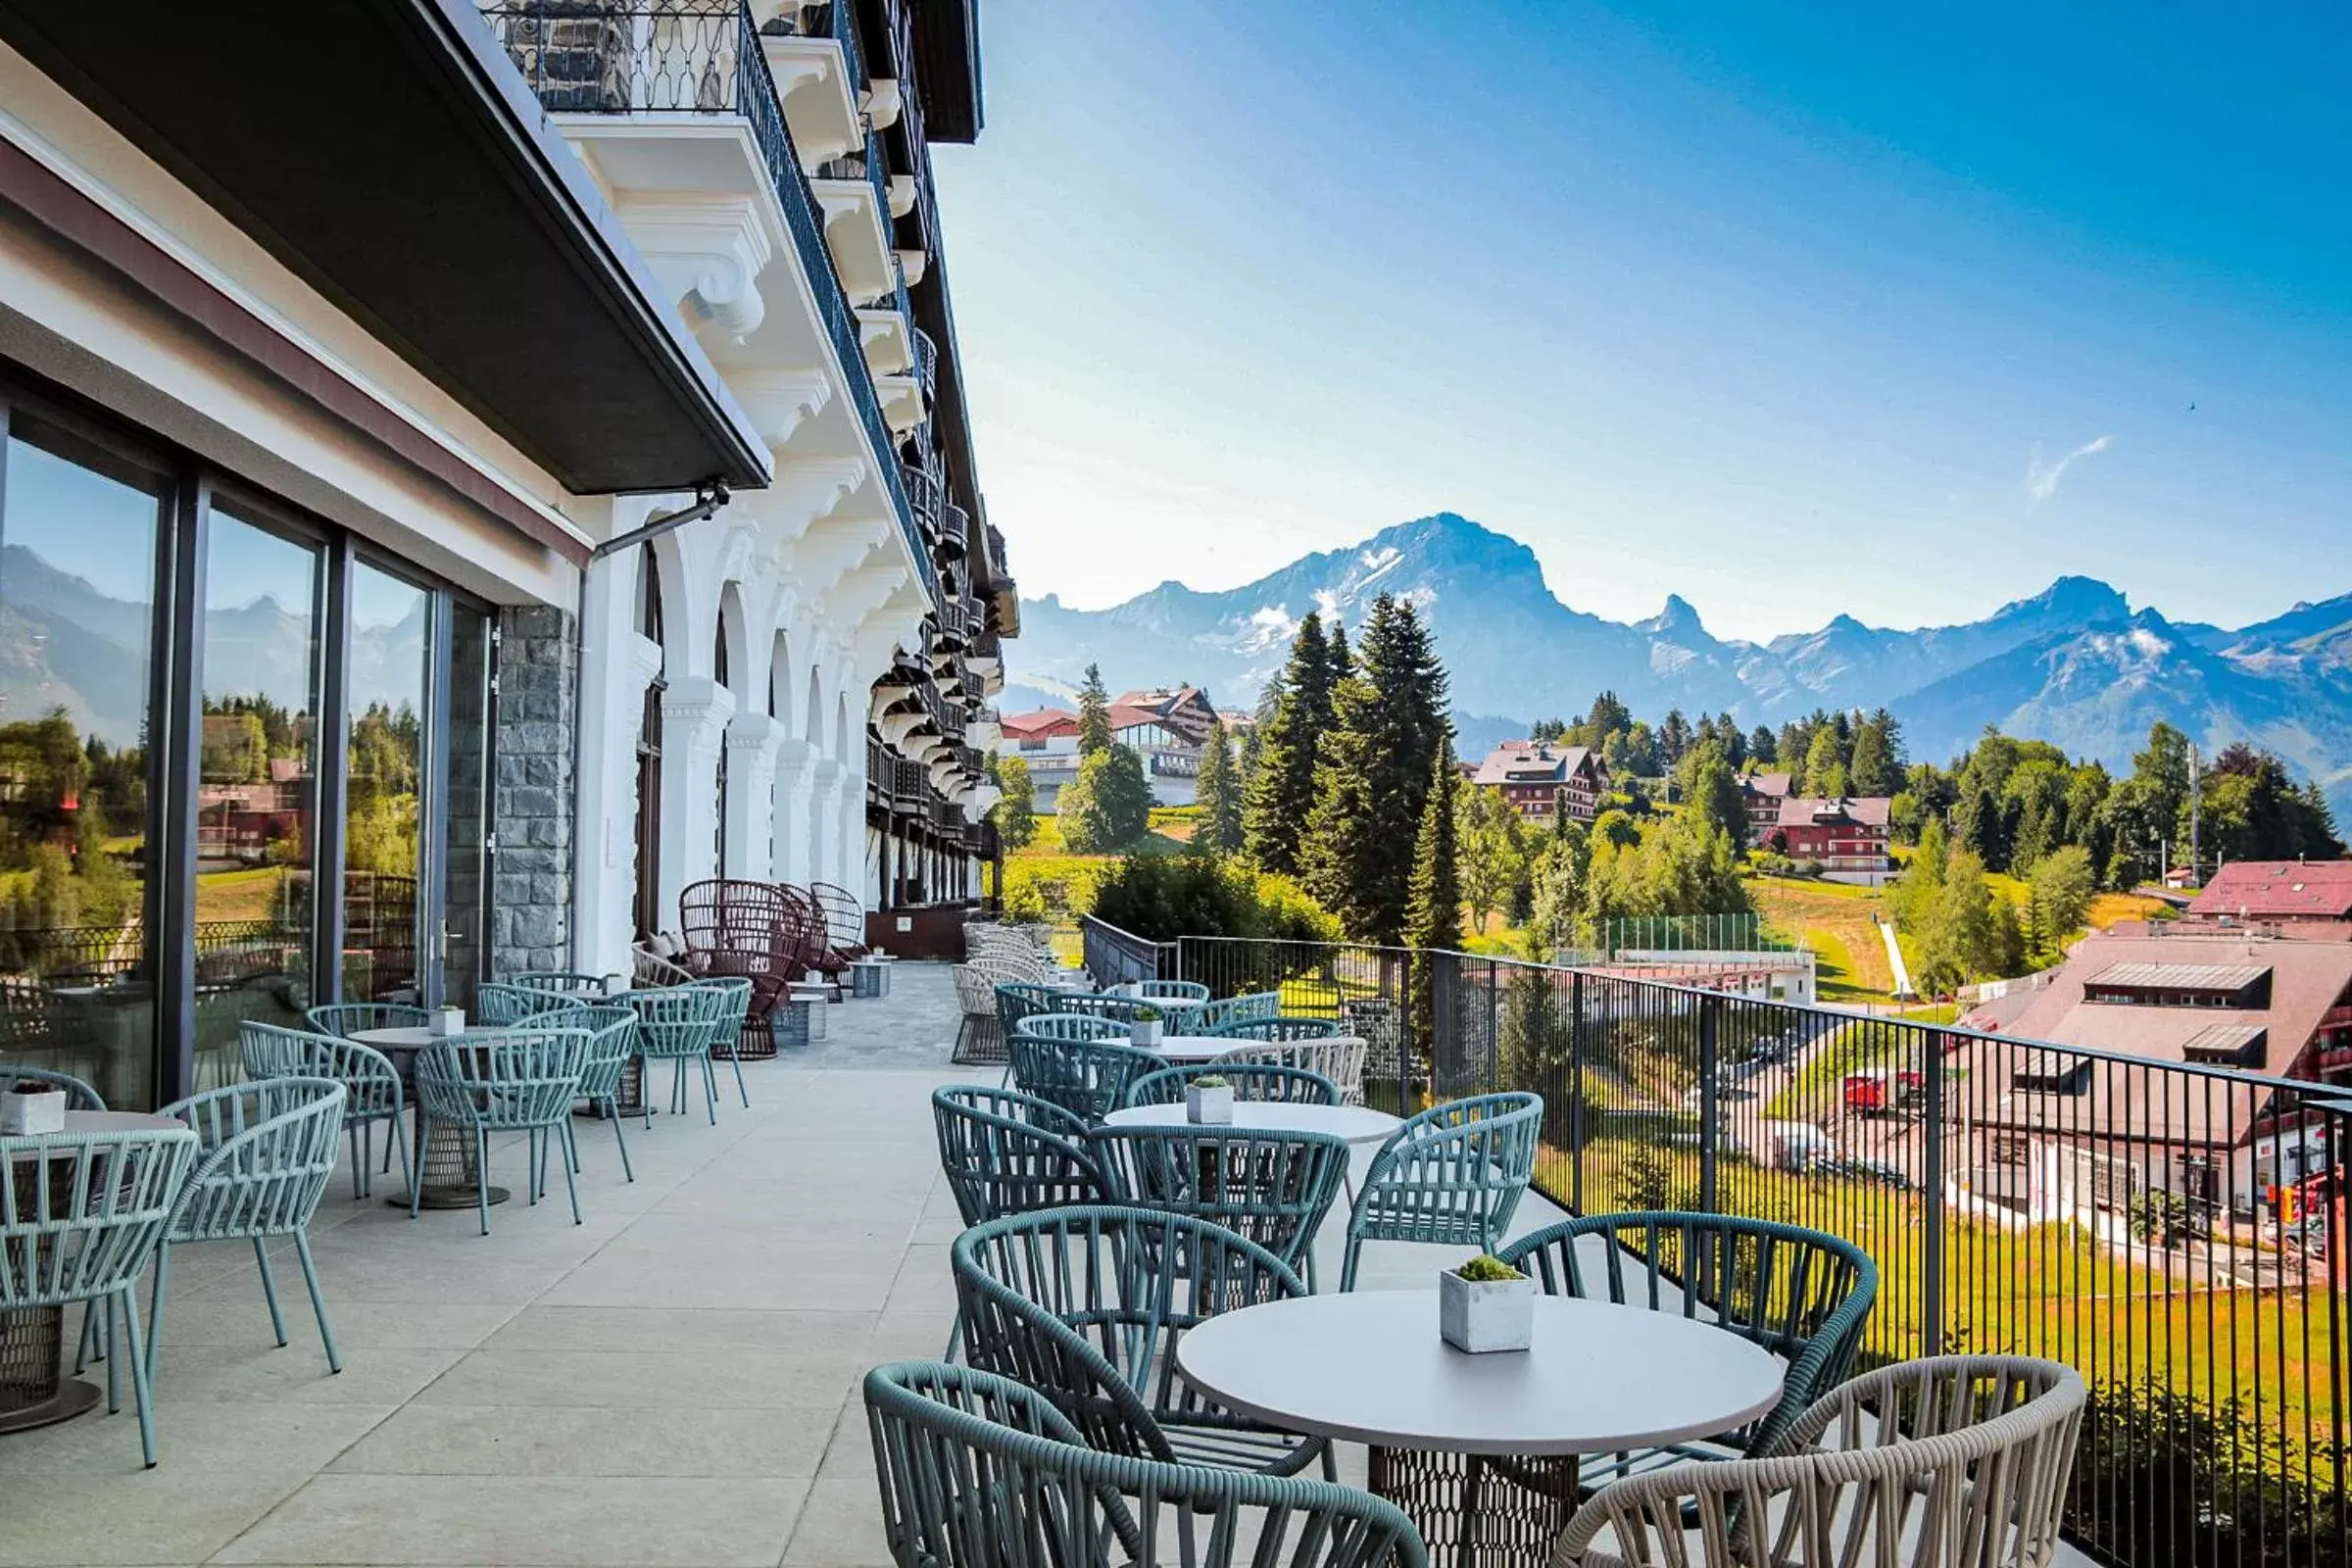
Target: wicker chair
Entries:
(521, 1081)
(764, 932)
(612, 1043)
(1167, 1086)
(267, 1151)
(1453, 1174)
(1021, 998)
(970, 1464)
(1006, 1152)
(844, 918)
(1956, 1462)
(730, 1002)
(1277, 1028)
(1088, 1078)
(676, 1025)
(1803, 1295)
(1173, 990)
(1212, 1016)
(80, 1096)
(1087, 1306)
(1068, 1026)
(1336, 1057)
(80, 1228)
(571, 982)
(1273, 1187)
(654, 964)
(343, 1019)
(979, 1039)
(501, 1005)
(371, 1088)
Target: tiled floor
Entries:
(671, 1383)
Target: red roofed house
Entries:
(1538, 778)
(1847, 836)
(1166, 726)
(1764, 793)
(2275, 893)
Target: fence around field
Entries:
(2175, 1232)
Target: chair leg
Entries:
(309, 1277)
(735, 1060)
(278, 1318)
(531, 1167)
(710, 1090)
(408, 1172)
(114, 1392)
(85, 1349)
(138, 1375)
(359, 1162)
(572, 1185)
(612, 1109)
(416, 1186)
(158, 1295)
(481, 1177)
(645, 1090)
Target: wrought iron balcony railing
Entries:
(671, 57)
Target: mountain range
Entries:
(2075, 664)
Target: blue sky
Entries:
(1793, 310)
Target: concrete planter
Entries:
(446, 1023)
(1485, 1315)
(1209, 1107)
(1145, 1032)
(27, 1112)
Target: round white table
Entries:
(1191, 1050)
(35, 1391)
(445, 1152)
(1357, 1124)
(1480, 1449)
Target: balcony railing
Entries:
(650, 57)
(2175, 1232)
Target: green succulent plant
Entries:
(1209, 1080)
(1488, 1269)
(1147, 1016)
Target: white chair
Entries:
(1955, 1461)
(1338, 1058)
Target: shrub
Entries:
(1161, 898)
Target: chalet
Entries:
(2275, 893)
(1539, 779)
(1764, 793)
(1166, 726)
(1847, 834)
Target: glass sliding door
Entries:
(465, 884)
(384, 783)
(78, 532)
(258, 784)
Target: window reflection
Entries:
(389, 634)
(465, 895)
(257, 798)
(77, 540)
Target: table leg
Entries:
(34, 1391)
(1475, 1511)
(445, 1168)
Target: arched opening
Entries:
(647, 904)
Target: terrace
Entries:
(673, 1382)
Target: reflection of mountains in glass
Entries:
(64, 644)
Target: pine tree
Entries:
(1763, 747)
(1432, 920)
(1877, 766)
(1281, 795)
(1093, 713)
(1389, 720)
(1220, 828)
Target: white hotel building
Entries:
(342, 364)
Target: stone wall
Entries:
(530, 917)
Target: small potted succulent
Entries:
(446, 1023)
(1144, 1027)
(1208, 1101)
(31, 1106)
(1486, 1304)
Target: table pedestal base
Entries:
(445, 1171)
(1476, 1511)
(33, 1392)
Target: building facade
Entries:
(1167, 727)
(1540, 779)
(510, 468)
(1847, 836)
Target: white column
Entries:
(751, 743)
(794, 778)
(823, 818)
(616, 666)
(850, 853)
(695, 713)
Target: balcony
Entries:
(818, 71)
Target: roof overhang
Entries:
(946, 68)
(390, 154)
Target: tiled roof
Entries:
(1043, 721)
(2270, 889)
(1773, 784)
(2180, 976)
(1804, 811)
(1527, 763)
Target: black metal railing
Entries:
(1116, 958)
(2176, 1232)
(640, 57)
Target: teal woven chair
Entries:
(522, 1080)
(267, 1151)
(571, 982)
(1277, 1028)
(1801, 1295)
(730, 999)
(1167, 1086)
(1068, 1026)
(78, 1095)
(676, 1024)
(77, 1221)
(343, 1019)
(978, 1471)
(1174, 990)
(1087, 1306)
(500, 1005)
(1271, 1187)
(1452, 1175)
(371, 1088)
(1006, 1152)
(1088, 1078)
(1018, 1000)
(1213, 1016)
(611, 1041)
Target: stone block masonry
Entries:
(536, 802)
